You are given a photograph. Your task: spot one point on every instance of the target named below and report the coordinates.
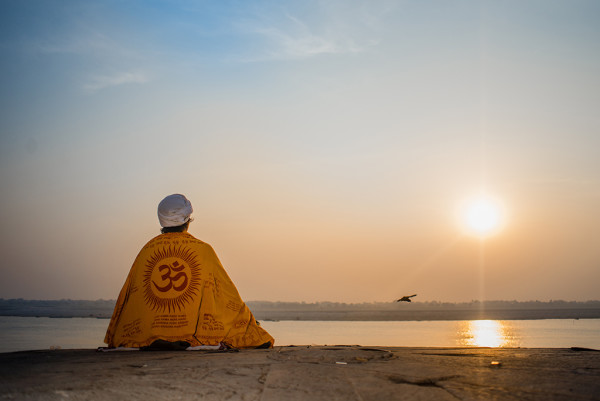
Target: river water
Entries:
(30, 333)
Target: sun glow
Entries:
(482, 216)
(486, 333)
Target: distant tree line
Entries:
(416, 305)
(268, 310)
(57, 308)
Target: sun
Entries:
(482, 215)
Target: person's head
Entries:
(174, 213)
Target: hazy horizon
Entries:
(391, 302)
(327, 147)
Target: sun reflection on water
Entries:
(486, 333)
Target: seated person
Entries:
(178, 293)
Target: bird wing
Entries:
(406, 298)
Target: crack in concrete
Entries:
(427, 382)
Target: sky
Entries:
(327, 147)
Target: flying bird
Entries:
(406, 298)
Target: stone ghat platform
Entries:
(304, 373)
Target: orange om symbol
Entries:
(175, 267)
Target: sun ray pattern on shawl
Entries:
(179, 257)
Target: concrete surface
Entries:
(304, 373)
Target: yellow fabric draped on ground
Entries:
(177, 290)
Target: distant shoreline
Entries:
(377, 315)
(330, 311)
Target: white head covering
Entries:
(174, 210)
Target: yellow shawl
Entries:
(177, 290)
